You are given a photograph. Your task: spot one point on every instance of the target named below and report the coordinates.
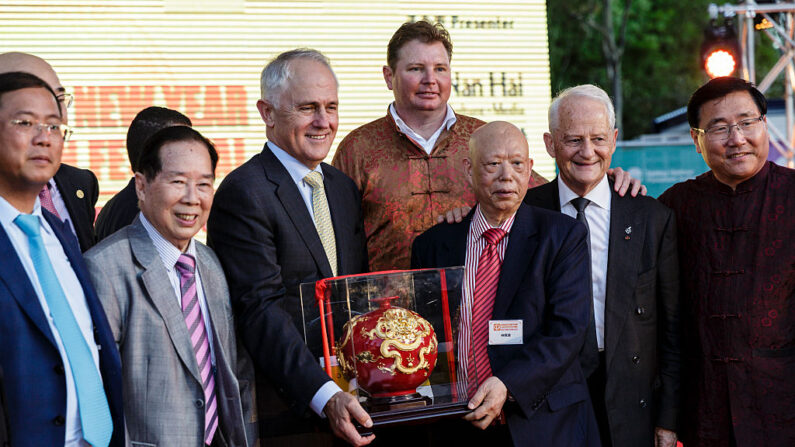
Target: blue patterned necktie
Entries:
(91, 400)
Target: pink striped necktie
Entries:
(486, 280)
(46, 201)
(186, 266)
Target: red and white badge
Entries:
(505, 332)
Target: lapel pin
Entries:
(80, 194)
(628, 231)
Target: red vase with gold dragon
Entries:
(390, 351)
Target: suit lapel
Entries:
(622, 265)
(214, 294)
(522, 243)
(544, 196)
(72, 202)
(13, 274)
(158, 288)
(294, 205)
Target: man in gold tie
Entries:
(285, 218)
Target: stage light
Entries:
(720, 52)
(719, 63)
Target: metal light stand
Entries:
(782, 37)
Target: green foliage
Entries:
(661, 63)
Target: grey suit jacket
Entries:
(164, 400)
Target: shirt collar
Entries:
(296, 169)
(480, 224)
(8, 213)
(449, 120)
(167, 251)
(599, 196)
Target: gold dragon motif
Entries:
(402, 330)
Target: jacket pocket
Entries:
(774, 353)
(567, 395)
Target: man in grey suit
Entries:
(168, 305)
(631, 355)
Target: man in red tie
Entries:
(526, 303)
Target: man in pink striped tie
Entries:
(168, 304)
(526, 304)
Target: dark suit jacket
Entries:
(79, 190)
(544, 282)
(263, 234)
(118, 212)
(642, 343)
(33, 372)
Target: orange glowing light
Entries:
(720, 63)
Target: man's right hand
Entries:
(455, 215)
(339, 410)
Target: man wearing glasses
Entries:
(61, 373)
(736, 252)
(72, 193)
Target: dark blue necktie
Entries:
(589, 355)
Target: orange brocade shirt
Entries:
(403, 188)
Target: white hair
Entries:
(275, 75)
(584, 90)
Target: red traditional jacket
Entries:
(737, 261)
(403, 188)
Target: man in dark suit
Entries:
(122, 208)
(632, 351)
(527, 268)
(72, 193)
(281, 219)
(61, 375)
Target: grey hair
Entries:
(584, 90)
(275, 75)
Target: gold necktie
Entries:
(323, 218)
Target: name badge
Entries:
(505, 332)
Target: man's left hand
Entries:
(487, 403)
(622, 181)
(664, 438)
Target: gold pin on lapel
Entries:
(80, 194)
(628, 231)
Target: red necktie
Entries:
(486, 279)
(46, 201)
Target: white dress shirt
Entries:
(169, 254)
(297, 172)
(60, 205)
(73, 291)
(598, 214)
(426, 144)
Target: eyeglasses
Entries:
(721, 132)
(28, 127)
(66, 99)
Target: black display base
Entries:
(417, 415)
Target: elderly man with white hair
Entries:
(631, 355)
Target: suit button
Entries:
(640, 311)
(636, 359)
(199, 403)
(58, 369)
(59, 420)
(643, 403)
